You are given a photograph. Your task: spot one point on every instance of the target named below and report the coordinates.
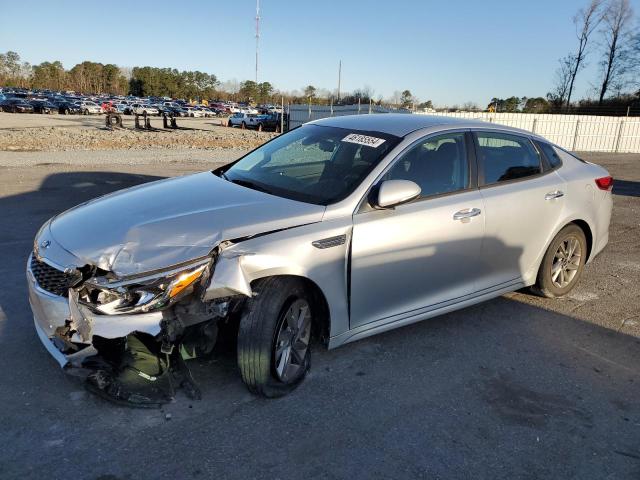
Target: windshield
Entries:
(313, 163)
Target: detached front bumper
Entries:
(52, 313)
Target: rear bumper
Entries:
(602, 225)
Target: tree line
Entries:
(84, 77)
(97, 78)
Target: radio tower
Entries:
(257, 34)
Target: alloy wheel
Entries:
(292, 340)
(566, 262)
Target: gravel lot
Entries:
(518, 387)
(55, 133)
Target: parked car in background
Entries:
(88, 107)
(66, 107)
(174, 111)
(258, 122)
(43, 106)
(171, 104)
(248, 110)
(194, 112)
(107, 106)
(16, 105)
(142, 109)
(206, 111)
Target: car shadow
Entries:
(627, 188)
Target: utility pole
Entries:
(257, 34)
(339, 78)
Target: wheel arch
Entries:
(531, 275)
(588, 234)
(320, 306)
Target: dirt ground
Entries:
(54, 133)
(517, 387)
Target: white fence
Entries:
(583, 133)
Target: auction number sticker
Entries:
(363, 140)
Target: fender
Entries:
(290, 252)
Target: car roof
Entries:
(402, 124)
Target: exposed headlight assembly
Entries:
(144, 293)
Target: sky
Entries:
(447, 51)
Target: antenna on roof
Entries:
(257, 34)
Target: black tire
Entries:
(85, 112)
(550, 283)
(262, 319)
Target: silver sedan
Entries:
(335, 231)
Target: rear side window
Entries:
(505, 157)
(551, 154)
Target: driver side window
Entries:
(438, 164)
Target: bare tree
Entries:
(617, 42)
(586, 22)
(562, 81)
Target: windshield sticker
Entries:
(364, 140)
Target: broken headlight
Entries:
(143, 293)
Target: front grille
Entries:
(51, 279)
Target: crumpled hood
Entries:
(163, 223)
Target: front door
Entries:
(425, 252)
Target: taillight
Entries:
(605, 183)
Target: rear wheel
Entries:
(274, 337)
(563, 263)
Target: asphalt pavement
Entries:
(517, 387)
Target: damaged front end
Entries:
(130, 336)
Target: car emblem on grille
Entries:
(45, 244)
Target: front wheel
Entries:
(274, 337)
(563, 263)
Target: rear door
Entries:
(523, 203)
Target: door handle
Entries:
(552, 195)
(467, 213)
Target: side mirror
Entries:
(396, 192)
